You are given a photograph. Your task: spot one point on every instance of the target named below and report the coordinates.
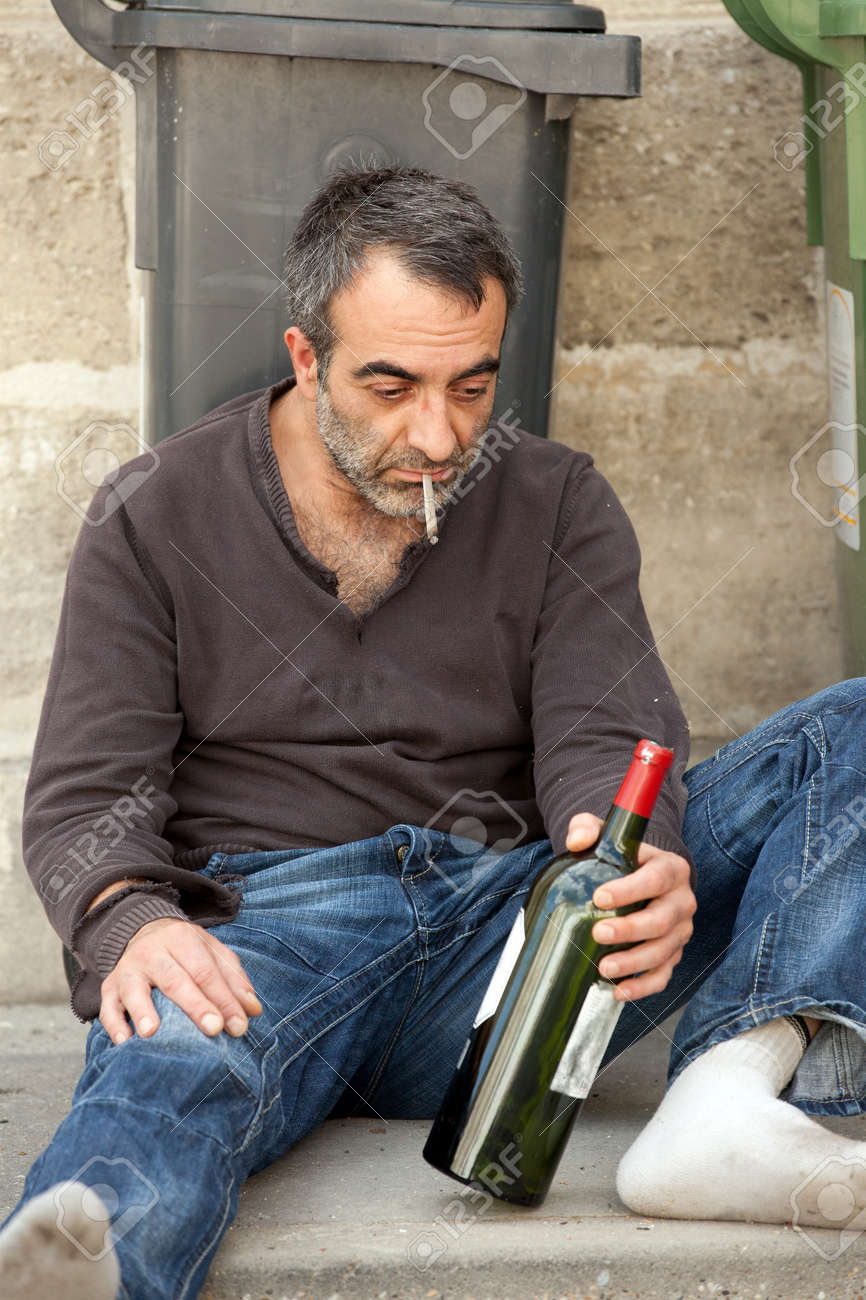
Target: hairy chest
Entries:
(365, 555)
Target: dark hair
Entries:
(439, 230)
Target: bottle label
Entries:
(504, 967)
(588, 1041)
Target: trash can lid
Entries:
(550, 47)
(551, 15)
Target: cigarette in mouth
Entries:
(430, 509)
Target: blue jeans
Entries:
(370, 960)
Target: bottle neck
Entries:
(632, 807)
(620, 837)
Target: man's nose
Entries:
(431, 431)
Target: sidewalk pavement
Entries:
(354, 1213)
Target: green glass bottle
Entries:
(547, 1016)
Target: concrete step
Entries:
(354, 1213)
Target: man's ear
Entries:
(304, 361)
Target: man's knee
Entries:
(845, 697)
(179, 1068)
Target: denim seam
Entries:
(347, 979)
(220, 859)
(416, 898)
(750, 752)
(705, 792)
(256, 1124)
(125, 1103)
(305, 1043)
(829, 765)
(184, 1292)
(719, 845)
(811, 797)
(744, 749)
(261, 1109)
(838, 708)
(760, 953)
(383, 957)
(241, 924)
(511, 893)
(430, 858)
(431, 865)
(497, 893)
(386, 1055)
(459, 938)
(842, 1071)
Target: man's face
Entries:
(410, 385)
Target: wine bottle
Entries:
(548, 1014)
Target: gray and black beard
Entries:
(355, 449)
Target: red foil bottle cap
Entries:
(639, 790)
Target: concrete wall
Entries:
(692, 401)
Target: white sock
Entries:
(58, 1245)
(722, 1146)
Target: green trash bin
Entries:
(826, 39)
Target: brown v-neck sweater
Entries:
(209, 692)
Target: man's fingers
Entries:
(646, 956)
(582, 831)
(658, 918)
(236, 979)
(133, 995)
(207, 998)
(660, 875)
(252, 1004)
(234, 974)
(638, 987)
(113, 1019)
(201, 976)
(656, 933)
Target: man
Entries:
(297, 767)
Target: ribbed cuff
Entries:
(801, 1028)
(103, 934)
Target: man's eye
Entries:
(470, 393)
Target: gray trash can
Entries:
(243, 107)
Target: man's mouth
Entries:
(415, 475)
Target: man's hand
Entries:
(192, 968)
(660, 930)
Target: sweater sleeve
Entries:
(598, 684)
(98, 792)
